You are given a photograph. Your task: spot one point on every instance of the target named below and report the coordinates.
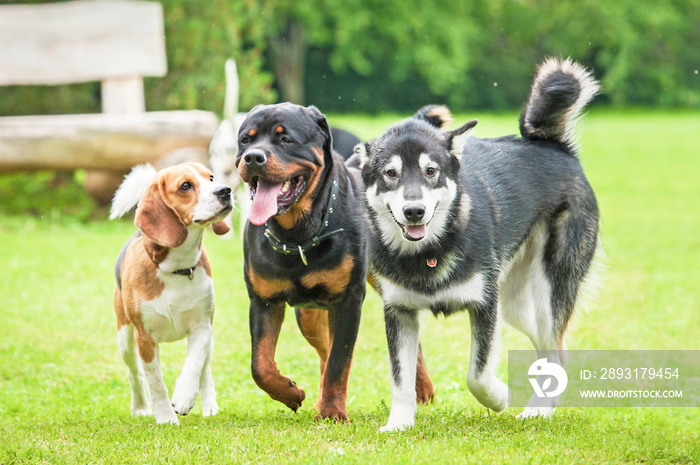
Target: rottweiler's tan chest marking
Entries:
(266, 288)
(336, 280)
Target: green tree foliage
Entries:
(200, 36)
(482, 53)
(382, 39)
(379, 55)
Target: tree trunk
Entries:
(289, 62)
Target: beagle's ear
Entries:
(159, 221)
(220, 228)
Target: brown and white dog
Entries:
(164, 287)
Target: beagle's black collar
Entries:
(189, 272)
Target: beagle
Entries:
(164, 287)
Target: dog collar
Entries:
(189, 272)
(299, 249)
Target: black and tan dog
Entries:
(304, 245)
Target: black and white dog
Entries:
(505, 228)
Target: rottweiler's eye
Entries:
(285, 140)
(430, 171)
(185, 186)
(390, 173)
(245, 140)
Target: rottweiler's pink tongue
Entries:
(416, 232)
(265, 202)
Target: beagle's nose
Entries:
(223, 193)
(414, 212)
(255, 158)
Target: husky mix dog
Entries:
(504, 228)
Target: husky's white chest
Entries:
(456, 296)
(183, 305)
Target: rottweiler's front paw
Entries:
(334, 412)
(292, 397)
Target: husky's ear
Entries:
(457, 138)
(362, 151)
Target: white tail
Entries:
(131, 189)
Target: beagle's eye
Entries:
(211, 178)
(185, 186)
(390, 173)
(430, 171)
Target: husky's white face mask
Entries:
(411, 184)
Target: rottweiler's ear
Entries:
(457, 138)
(255, 108)
(159, 221)
(322, 123)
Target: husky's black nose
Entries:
(255, 158)
(414, 212)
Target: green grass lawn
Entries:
(64, 395)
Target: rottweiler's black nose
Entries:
(255, 158)
(414, 212)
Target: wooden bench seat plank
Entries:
(83, 41)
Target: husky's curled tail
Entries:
(436, 115)
(560, 91)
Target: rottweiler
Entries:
(304, 245)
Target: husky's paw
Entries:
(490, 392)
(400, 419)
(389, 427)
(532, 412)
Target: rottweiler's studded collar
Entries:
(299, 249)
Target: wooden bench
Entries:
(116, 42)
